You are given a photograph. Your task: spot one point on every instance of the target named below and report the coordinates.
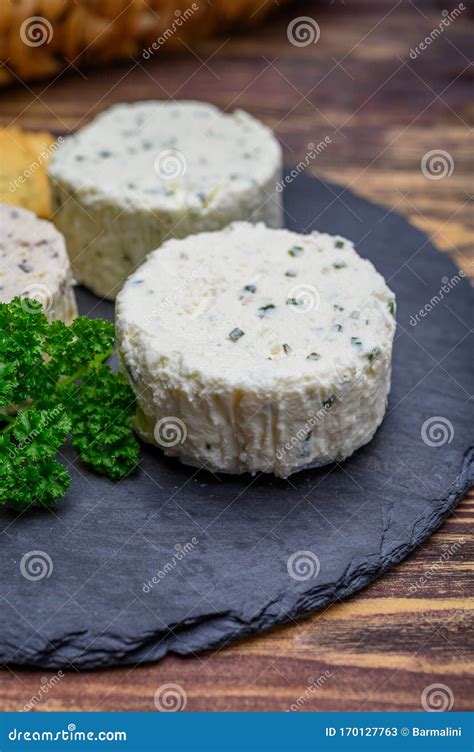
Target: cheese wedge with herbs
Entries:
(254, 349)
(34, 264)
(141, 173)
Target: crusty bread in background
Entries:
(38, 38)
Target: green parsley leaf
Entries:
(55, 385)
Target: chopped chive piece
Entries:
(313, 356)
(294, 301)
(354, 315)
(329, 402)
(236, 334)
(286, 348)
(339, 244)
(338, 307)
(356, 342)
(296, 250)
(339, 265)
(263, 309)
(338, 327)
(290, 273)
(250, 288)
(391, 307)
(373, 354)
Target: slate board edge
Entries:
(161, 644)
(155, 645)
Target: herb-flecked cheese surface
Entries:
(263, 350)
(34, 264)
(144, 172)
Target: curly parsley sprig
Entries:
(55, 384)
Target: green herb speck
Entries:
(338, 327)
(250, 288)
(313, 356)
(286, 348)
(262, 311)
(391, 307)
(339, 244)
(236, 334)
(339, 264)
(290, 273)
(327, 404)
(373, 354)
(296, 250)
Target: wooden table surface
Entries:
(383, 111)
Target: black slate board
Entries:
(105, 541)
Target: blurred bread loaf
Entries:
(39, 38)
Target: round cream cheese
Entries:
(144, 172)
(34, 264)
(255, 349)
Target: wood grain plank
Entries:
(383, 112)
